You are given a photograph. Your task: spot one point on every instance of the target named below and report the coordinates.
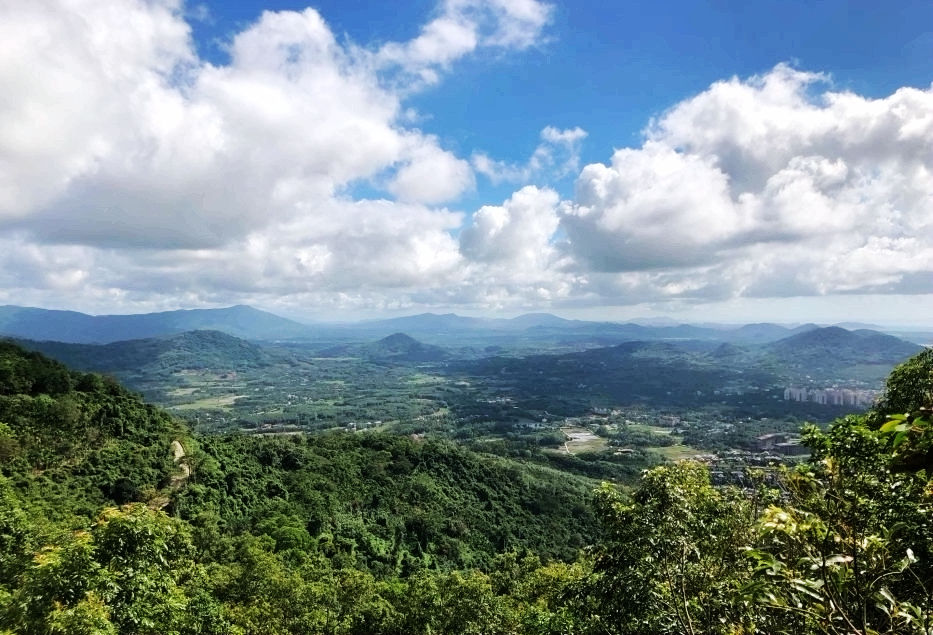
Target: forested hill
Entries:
(362, 506)
(359, 533)
(391, 498)
(190, 350)
(71, 326)
(860, 346)
(397, 347)
(834, 348)
(73, 442)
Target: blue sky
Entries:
(609, 66)
(707, 160)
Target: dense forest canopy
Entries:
(106, 527)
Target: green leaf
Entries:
(899, 438)
(893, 426)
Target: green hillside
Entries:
(70, 326)
(76, 447)
(74, 442)
(836, 347)
(190, 350)
(113, 520)
(397, 347)
(388, 504)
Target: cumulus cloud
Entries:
(518, 231)
(511, 257)
(650, 207)
(557, 156)
(131, 169)
(462, 27)
(75, 88)
(357, 246)
(764, 187)
(431, 175)
(134, 174)
(116, 135)
(150, 146)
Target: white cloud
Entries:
(512, 260)
(518, 232)
(431, 175)
(120, 136)
(462, 27)
(157, 148)
(128, 166)
(650, 208)
(135, 175)
(761, 187)
(365, 247)
(557, 156)
(569, 136)
(74, 85)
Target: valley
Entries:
(406, 487)
(552, 392)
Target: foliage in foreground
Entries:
(841, 544)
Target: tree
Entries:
(671, 559)
(137, 549)
(850, 549)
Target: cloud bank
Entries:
(766, 188)
(135, 175)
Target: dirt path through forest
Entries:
(178, 452)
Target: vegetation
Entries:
(102, 531)
(647, 401)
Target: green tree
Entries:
(139, 550)
(850, 548)
(59, 579)
(671, 558)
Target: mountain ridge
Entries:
(181, 351)
(836, 346)
(398, 347)
(81, 328)
(440, 329)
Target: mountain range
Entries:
(80, 328)
(448, 329)
(182, 351)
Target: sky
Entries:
(716, 160)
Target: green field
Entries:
(582, 440)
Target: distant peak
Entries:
(398, 338)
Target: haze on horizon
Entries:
(494, 157)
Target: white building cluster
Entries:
(831, 396)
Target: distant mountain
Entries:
(653, 321)
(544, 328)
(423, 322)
(529, 320)
(764, 332)
(191, 350)
(727, 352)
(397, 347)
(855, 326)
(535, 331)
(836, 347)
(70, 326)
(453, 323)
(663, 373)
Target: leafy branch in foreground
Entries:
(850, 549)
